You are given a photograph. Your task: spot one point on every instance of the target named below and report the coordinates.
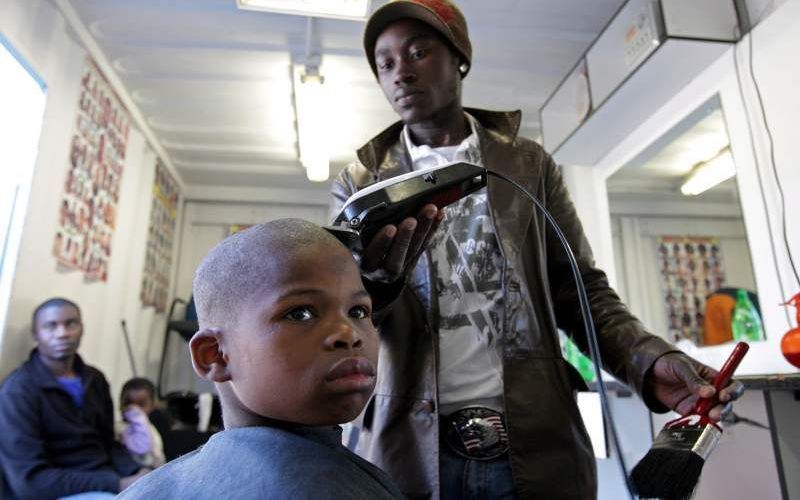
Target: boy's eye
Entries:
(300, 314)
(360, 312)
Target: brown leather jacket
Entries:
(551, 455)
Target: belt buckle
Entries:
(477, 433)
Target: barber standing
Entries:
(474, 399)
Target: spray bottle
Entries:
(790, 344)
(746, 325)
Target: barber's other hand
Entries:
(395, 249)
(126, 481)
(678, 381)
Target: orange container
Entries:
(790, 344)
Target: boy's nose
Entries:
(344, 336)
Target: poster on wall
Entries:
(160, 240)
(690, 269)
(88, 206)
(235, 228)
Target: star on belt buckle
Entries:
(477, 433)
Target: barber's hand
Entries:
(126, 481)
(678, 381)
(395, 249)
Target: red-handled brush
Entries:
(671, 468)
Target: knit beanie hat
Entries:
(441, 15)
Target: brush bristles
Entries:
(667, 474)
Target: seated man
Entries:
(286, 335)
(57, 419)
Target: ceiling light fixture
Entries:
(708, 174)
(340, 9)
(310, 104)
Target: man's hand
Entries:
(678, 381)
(126, 481)
(395, 249)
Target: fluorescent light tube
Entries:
(709, 173)
(342, 9)
(311, 105)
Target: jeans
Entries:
(464, 479)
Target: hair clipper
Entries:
(392, 200)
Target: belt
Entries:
(475, 432)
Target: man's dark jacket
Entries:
(551, 455)
(49, 447)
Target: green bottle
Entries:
(746, 324)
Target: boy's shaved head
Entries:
(286, 329)
(241, 265)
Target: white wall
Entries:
(39, 33)
(777, 50)
(206, 223)
(587, 188)
(776, 44)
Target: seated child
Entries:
(136, 432)
(286, 335)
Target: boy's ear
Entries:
(208, 359)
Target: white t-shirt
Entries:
(467, 266)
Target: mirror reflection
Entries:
(680, 242)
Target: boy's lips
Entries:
(349, 367)
(351, 375)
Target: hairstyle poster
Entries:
(235, 228)
(690, 269)
(160, 240)
(88, 207)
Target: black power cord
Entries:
(588, 324)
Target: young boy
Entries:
(286, 335)
(140, 437)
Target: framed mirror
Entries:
(680, 243)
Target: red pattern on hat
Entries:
(442, 9)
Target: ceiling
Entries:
(214, 82)
(661, 168)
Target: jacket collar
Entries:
(501, 126)
(386, 156)
(330, 435)
(43, 377)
